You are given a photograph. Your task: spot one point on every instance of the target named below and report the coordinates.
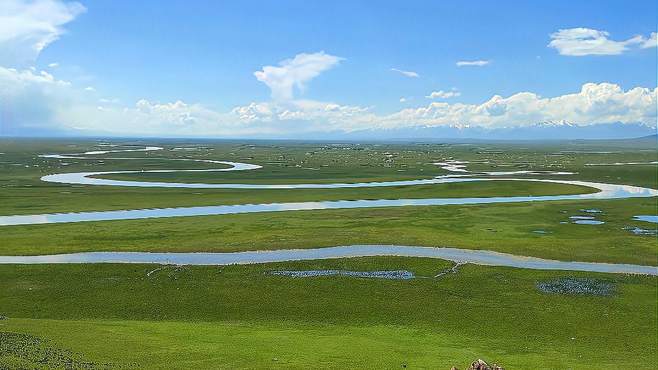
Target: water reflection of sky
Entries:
(607, 191)
(646, 218)
(479, 257)
(588, 222)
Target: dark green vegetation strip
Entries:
(242, 316)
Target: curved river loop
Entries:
(456, 168)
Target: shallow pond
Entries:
(588, 222)
(647, 218)
(585, 220)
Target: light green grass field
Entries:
(242, 317)
(239, 316)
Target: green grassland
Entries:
(115, 316)
(24, 193)
(240, 316)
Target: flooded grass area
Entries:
(579, 286)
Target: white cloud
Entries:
(36, 101)
(651, 42)
(295, 72)
(29, 98)
(443, 94)
(595, 103)
(108, 101)
(39, 101)
(406, 73)
(472, 63)
(26, 27)
(586, 41)
(306, 114)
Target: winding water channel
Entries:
(456, 168)
(479, 257)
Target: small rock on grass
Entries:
(479, 364)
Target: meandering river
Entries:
(479, 257)
(460, 174)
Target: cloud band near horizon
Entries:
(39, 101)
(34, 101)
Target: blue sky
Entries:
(205, 53)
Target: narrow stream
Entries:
(478, 257)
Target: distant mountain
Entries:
(653, 137)
(539, 131)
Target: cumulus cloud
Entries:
(295, 73)
(651, 42)
(28, 99)
(305, 115)
(37, 100)
(443, 94)
(411, 74)
(28, 26)
(32, 101)
(473, 63)
(586, 41)
(595, 103)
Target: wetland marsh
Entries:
(242, 306)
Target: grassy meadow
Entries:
(130, 316)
